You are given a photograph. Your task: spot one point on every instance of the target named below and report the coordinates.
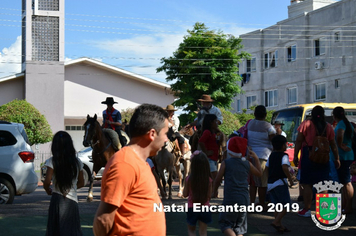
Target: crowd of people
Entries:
(256, 164)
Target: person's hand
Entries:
(252, 154)
(296, 161)
(337, 164)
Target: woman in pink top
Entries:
(311, 172)
(198, 188)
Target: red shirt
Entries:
(209, 139)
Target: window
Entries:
(238, 105)
(271, 98)
(7, 139)
(337, 36)
(320, 92)
(292, 53)
(251, 65)
(270, 59)
(292, 95)
(251, 101)
(337, 83)
(319, 46)
(74, 127)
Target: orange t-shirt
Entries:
(129, 184)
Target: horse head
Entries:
(90, 130)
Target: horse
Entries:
(102, 146)
(164, 160)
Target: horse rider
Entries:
(206, 107)
(174, 124)
(112, 119)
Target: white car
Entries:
(85, 156)
(17, 174)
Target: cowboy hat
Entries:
(109, 100)
(205, 98)
(170, 108)
(277, 122)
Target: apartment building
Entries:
(309, 57)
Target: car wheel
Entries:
(7, 192)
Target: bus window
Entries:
(291, 118)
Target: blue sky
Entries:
(135, 35)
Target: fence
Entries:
(40, 157)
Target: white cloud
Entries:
(10, 59)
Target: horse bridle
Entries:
(97, 142)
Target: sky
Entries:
(135, 35)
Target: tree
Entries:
(204, 63)
(126, 114)
(20, 111)
(230, 122)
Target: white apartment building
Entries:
(309, 57)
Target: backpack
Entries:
(319, 153)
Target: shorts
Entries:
(193, 217)
(263, 180)
(280, 194)
(237, 221)
(213, 165)
(344, 172)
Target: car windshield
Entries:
(291, 119)
(350, 114)
(88, 149)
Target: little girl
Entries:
(198, 186)
(208, 143)
(66, 172)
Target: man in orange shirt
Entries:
(129, 190)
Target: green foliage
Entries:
(204, 63)
(244, 116)
(36, 125)
(230, 122)
(126, 114)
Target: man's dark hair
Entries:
(260, 112)
(145, 118)
(278, 141)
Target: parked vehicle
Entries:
(17, 174)
(293, 116)
(85, 156)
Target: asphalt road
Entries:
(28, 216)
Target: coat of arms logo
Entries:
(328, 215)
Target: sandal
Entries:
(285, 229)
(279, 229)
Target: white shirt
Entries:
(73, 191)
(285, 161)
(213, 110)
(258, 132)
(176, 121)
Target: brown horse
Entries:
(102, 147)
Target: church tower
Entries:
(43, 58)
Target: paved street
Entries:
(28, 216)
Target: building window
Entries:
(238, 105)
(320, 92)
(319, 46)
(337, 83)
(251, 101)
(270, 59)
(292, 53)
(292, 95)
(337, 36)
(251, 65)
(271, 98)
(74, 127)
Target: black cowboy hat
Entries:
(109, 100)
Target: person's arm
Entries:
(104, 219)
(256, 168)
(203, 149)
(218, 178)
(298, 145)
(47, 181)
(285, 169)
(80, 182)
(335, 152)
(340, 139)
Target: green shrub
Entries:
(20, 111)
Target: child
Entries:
(278, 172)
(208, 142)
(198, 186)
(353, 172)
(235, 171)
(66, 172)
